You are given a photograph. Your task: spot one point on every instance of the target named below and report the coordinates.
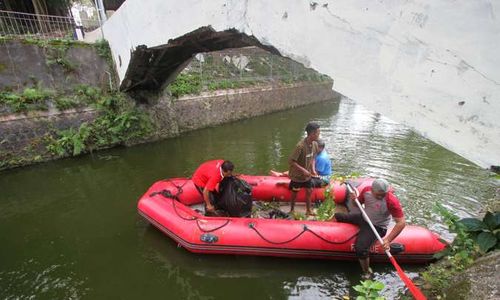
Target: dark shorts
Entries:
(366, 237)
(294, 185)
(317, 182)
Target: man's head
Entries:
(313, 131)
(380, 187)
(321, 145)
(227, 168)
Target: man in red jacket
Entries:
(207, 177)
(380, 205)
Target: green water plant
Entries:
(485, 233)
(465, 248)
(369, 290)
(326, 210)
(298, 216)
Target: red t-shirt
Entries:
(208, 174)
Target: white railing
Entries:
(44, 26)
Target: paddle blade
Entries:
(414, 290)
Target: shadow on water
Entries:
(69, 228)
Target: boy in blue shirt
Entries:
(323, 167)
(323, 163)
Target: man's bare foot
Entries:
(275, 173)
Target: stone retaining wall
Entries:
(210, 109)
(21, 136)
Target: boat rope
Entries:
(252, 226)
(211, 230)
(174, 198)
(333, 242)
(304, 229)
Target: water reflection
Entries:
(33, 279)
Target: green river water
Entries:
(69, 229)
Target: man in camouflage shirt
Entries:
(302, 166)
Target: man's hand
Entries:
(387, 243)
(307, 173)
(210, 208)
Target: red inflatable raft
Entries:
(167, 205)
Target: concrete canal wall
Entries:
(210, 109)
(23, 137)
(58, 98)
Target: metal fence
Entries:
(44, 26)
(248, 66)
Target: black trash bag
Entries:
(235, 197)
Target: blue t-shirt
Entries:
(323, 164)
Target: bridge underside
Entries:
(155, 67)
(430, 64)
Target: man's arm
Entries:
(313, 166)
(210, 186)
(400, 225)
(396, 211)
(206, 198)
(292, 162)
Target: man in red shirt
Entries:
(207, 177)
(380, 205)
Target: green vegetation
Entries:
(58, 58)
(369, 290)
(37, 98)
(473, 239)
(185, 84)
(119, 122)
(326, 210)
(30, 99)
(485, 233)
(103, 50)
(297, 215)
(217, 73)
(55, 51)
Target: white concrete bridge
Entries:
(431, 64)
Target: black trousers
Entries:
(366, 237)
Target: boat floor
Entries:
(300, 208)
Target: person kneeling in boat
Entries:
(323, 167)
(206, 179)
(302, 166)
(380, 205)
(323, 164)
